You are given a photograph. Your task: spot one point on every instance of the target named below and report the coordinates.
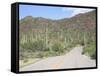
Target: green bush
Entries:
(90, 50)
(49, 53)
(38, 45)
(25, 61)
(58, 48)
(22, 53)
(34, 46)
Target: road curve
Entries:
(73, 59)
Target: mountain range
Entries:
(83, 22)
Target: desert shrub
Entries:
(90, 50)
(39, 55)
(49, 53)
(71, 45)
(25, 60)
(21, 56)
(34, 46)
(38, 45)
(58, 48)
(81, 42)
(22, 53)
(46, 49)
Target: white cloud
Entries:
(76, 11)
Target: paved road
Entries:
(73, 59)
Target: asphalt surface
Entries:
(73, 59)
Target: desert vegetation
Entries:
(42, 38)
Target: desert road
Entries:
(73, 59)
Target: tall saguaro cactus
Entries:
(46, 34)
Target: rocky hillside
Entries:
(81, 21)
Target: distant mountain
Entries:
(83, 22)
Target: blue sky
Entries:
(49, 12)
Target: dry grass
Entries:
(23, 63)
